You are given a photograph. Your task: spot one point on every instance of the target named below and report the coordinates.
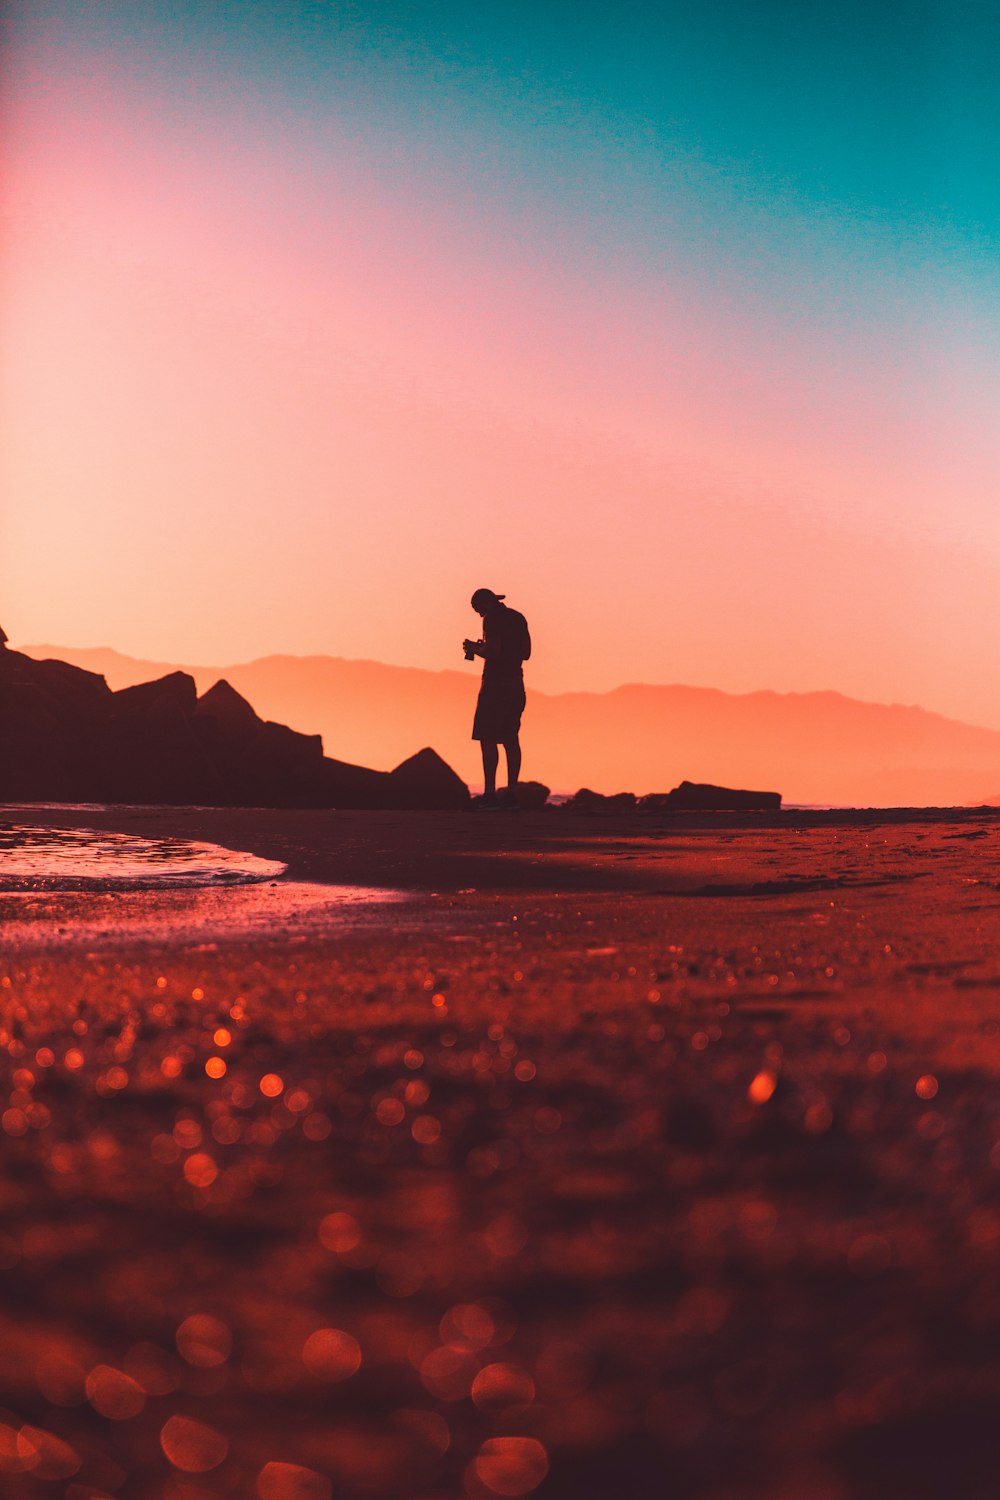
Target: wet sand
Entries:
(590, 1157)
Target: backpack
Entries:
(517, 633)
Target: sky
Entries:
(677, 323)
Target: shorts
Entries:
(498, 712)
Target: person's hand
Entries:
(472, 646)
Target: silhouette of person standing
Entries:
(505, 645)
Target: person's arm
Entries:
(488, 647)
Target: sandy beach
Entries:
(493, 1156)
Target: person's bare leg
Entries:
(513, 753)
(491, 757)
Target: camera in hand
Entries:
(470, 654)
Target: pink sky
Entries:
(262, 397)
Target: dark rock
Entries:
(587, 801)
(223, 705)
(345, 785)
(532, 795)
(71, 686)
(289, 745)
(155, 754)
(177, 688)
(426, 781)
(35, 747)
(52, 715)
(702, 796)
(261, 763)
(280, 767)
(67, 737)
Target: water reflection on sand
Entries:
(93, 889)
(33, 857)
(98, 920)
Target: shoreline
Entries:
(430, 849)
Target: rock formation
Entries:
(531, 795)
(690, 796)
(703, 797)
(66, 737)
(587, 801)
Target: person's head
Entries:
(483, 600)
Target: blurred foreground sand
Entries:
(597, 1158)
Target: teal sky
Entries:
(830, 160)
(885, 115)
(756, 243)
(836, 162)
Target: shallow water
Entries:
(101, 917)
(38, 858)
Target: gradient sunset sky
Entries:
(680, 323)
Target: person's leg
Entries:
(491, 756)
(512, 750)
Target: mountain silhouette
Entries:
(820, 747)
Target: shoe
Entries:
(488, 802)
(509, 802)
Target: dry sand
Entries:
(616, 1157)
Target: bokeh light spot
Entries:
(114, 1394)
(448, 1373)
(53, 1457)
(204, 1341)
(512, 1465)
(278, 1481)
(498, 1387)
(340, 1232)
(467, 1325)
(331, 1354)
(18, 1454)
(200, 1170)
(390, 1112)
(762, 1087)
(192, 1446)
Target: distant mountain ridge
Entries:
(816, 747)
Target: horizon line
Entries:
(539, 692)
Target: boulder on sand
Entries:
(587, 801)
(152, 751)
(342, 784)
(425, 781)
(695, 796)
(52, 716)
(67, 737)
(532, 795)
